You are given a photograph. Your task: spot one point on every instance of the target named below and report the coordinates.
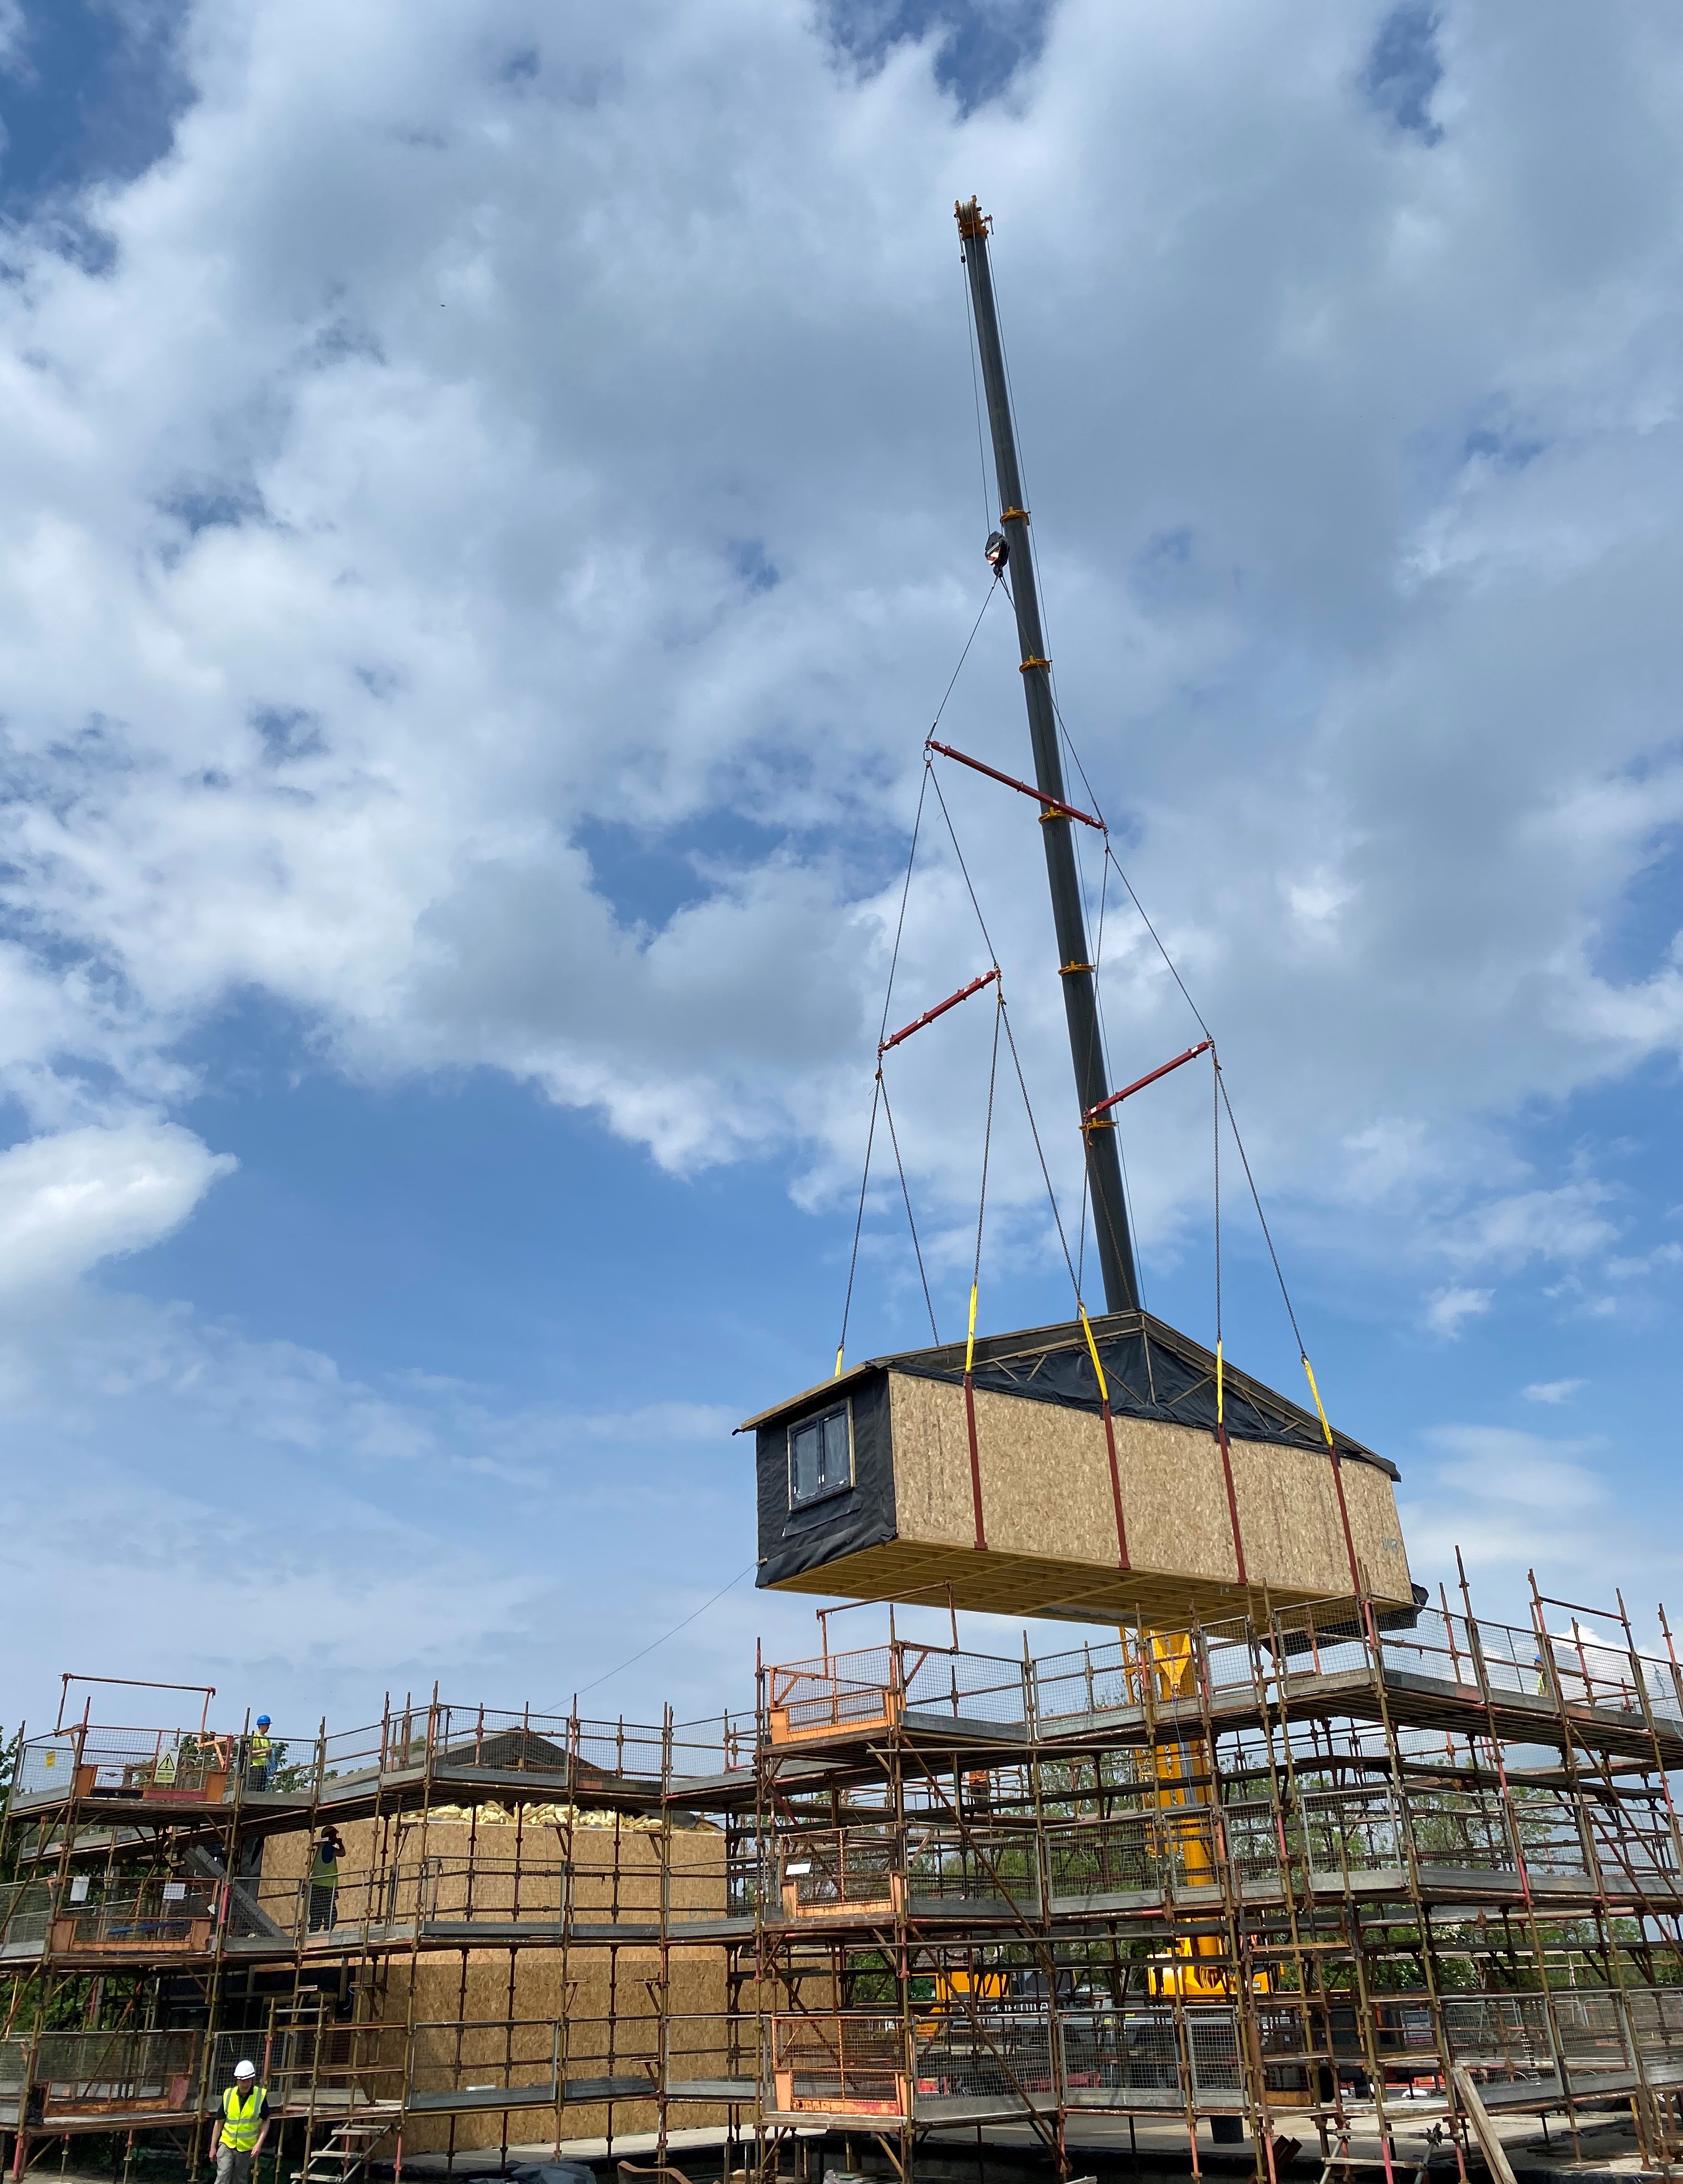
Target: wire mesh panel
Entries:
(1318, 1641)
(843, 1690)
(319, 2061)
(1656, 2020)
(963, 1686)
(1285, 2040)
(834, 1868)
(1634, 1846)
(1511, 1656)
(14, 2072)
(1349, 1836)
(1215, 2055)
(1189, 1849)
(47, 1765)
(1131, 2058)
(115, 2071)
(628, 1752)
(950, 1870)
(1231, 1659)
(1252, 1834)
(1071, 1688)
(160, 1915)
(26, 1912)
(1505, 2035)
(997, 2054)
(1436, 1645)
(844, 2061)
(1095, 1860)
(489, 1737)
(1550, 1836)
(1463, 1829)
(1591, 2034)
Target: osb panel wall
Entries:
(1175, 1500)
(931, 1460)
(583, 1986)
(1381, 1553)
(594, 1988)
(1174, 1496)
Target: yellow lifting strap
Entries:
(971, 1338)
(1320, 1408)
(836, 1375)
(1092, 1352)
(1217, 1380)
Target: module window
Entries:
(820, 1457)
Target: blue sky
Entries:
(494, 507)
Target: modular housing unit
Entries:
(893, 1481)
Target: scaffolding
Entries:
(1246, 1879)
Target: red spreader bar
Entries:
(1140, 1084)
(1057, 810)
(940, 1009)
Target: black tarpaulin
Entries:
(1153, 1372)
(793, 1540)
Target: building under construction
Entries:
(1267, 1880)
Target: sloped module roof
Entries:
(1153, 1369)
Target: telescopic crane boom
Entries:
(1081, 1004)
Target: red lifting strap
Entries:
(940, 1009)
(1150, 1078)
(1022, 787)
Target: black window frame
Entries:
(827, 1493)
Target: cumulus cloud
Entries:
(477, 437)
(68, 1200)
(1448, 1311)
(1552, 1392)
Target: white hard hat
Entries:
(245, 2070)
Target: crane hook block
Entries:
(997, 552)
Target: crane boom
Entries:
(1080, 1002)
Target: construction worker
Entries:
(257, 1756)
(324, 1879)
(241, 2127)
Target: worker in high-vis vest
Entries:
(324, 1879)
(241, 2126)
(257, 1756)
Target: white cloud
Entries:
(379, 517)
(1515, 1503)
(1552, 1392)
(1627, 1268)
(70, 1201)
(1449, 1310)
(1563, 1224)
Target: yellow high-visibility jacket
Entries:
(243, 2117)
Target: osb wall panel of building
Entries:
(605, 2000)
(510, 2001)
(1174, 1494)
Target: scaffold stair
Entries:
(345, 2153)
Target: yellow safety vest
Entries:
(259, 1750)
(243, 2120)
(325, 1873)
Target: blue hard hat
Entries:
(263, 1721)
